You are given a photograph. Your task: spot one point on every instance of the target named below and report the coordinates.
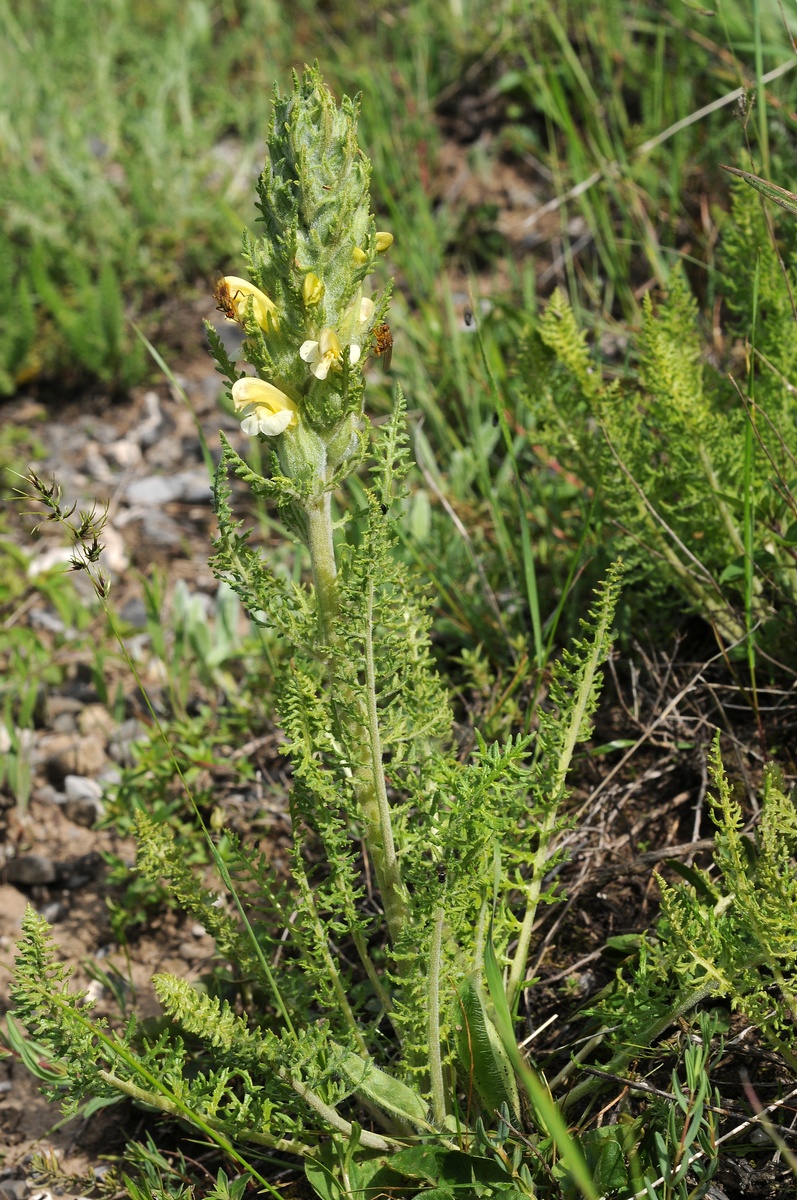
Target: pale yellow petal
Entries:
(264, 309)
(251, 390)
(383, 242)
(329, 344)
(250, 425)
(272, 424)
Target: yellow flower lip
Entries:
(233, 294)
(359, 256)
(272, 411)
(383, 242)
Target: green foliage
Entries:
(370, 1026)
(447, 816)
(692, 472)
(724, 935)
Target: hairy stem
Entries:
(369, 782)
(322, 559)
(435, 1059)
(164, 1104)
(333, 1118)
(518, 970)
(383, 848)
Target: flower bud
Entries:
(383, 242)
(312, 290)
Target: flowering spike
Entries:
(315, 250)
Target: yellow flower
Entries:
(383, 242)
(359, 256)
(367, 307)
(312, 290)
(233, 294)
(326, 355)
(272, 411)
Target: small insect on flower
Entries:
(383, 345)
(232, 297)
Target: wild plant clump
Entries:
(691, 466)
(371, 1029)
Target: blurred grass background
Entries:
(130, 135)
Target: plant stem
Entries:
(369, 781)
(383, 848)
(435, 1060)
(164, 1104)
(532, 900)
(322, 558)
(557, 792)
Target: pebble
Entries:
(160, 529)
(192, 487)
(95, 720)
(126, 453)
(232, 338)
(30, 870)
(47, 794)
(122, 739)
(64, 754)
(94, 992)
(47, 618)
(62, 704)
(190, 950)
(53, 912)
(146, 432)
(55, 556)
(114, 553)
(64, 723)
(134, 612)
(100, 431)
(15, 1189)
(84, 803)
(77, 872)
